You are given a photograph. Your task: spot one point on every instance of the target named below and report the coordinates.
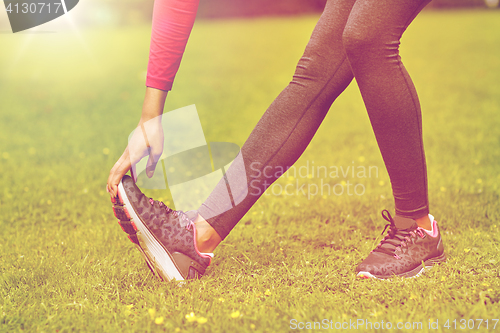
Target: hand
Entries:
(147, 139)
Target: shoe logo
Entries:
(189, 168)
(25, 14)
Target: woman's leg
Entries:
(371, 39)
(288, 125)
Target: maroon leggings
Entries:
(353, 38)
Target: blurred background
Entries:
(126, 12)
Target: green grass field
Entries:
(68, 103)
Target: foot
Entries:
(207, 239)
(165, 237)
(407, 250)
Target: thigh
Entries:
(375, 20)
(325, 51)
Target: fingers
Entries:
(133, 172)
(152, 161)
(151, 165)
(117, 172)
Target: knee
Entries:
(357, 41)
(318, 63)
(308, 69)
(364, 43)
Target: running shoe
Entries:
(165, 237)
(407, 250)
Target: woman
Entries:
(352, 39)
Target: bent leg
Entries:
(288, 125)
(371, 39)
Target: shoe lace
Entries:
(395, 238)
(184, 220)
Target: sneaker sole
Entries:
(157, 257)
(416, 272)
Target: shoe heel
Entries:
(436, 260)
(188, 267)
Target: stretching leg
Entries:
(288, 125)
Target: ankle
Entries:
(207, 239)
(424, 222)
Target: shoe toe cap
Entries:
(377, 264)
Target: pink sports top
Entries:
(172, 24)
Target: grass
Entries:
(67, 106)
